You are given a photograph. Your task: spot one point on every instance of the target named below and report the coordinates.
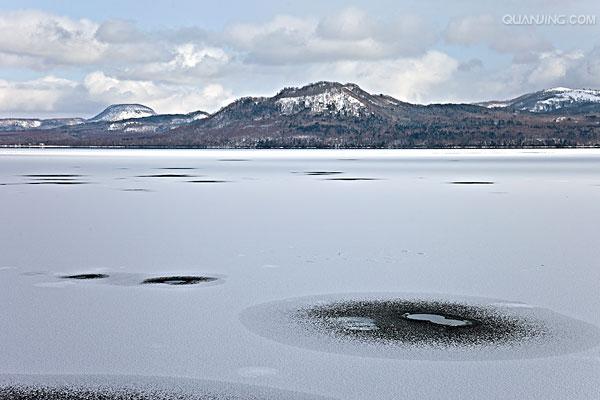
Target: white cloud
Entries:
(161, 97)
(42, 94)
(412, 79)
(489, 30)
(118, 31)
(46, 39)
(552, 67)
(50, 96)
(350, 24)
(348, 35)
(187, 63)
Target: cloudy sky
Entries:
(72, 58)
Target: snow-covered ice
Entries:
(276, 238)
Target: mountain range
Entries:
(331, 115)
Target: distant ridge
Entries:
(332, 115)
(557, 100)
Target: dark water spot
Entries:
(85, 276)
(472, 183)
(166, 176)
(233, 159)
(178, 168)
(322, 173)
(136, 190)
(52, 176)
(180, 280)
(54, 179)
(207, 181)
(420, 322)
(352, 179)
(58, 183)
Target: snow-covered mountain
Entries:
(299, 105)
(157, 122)
(555, 100)
(119, 112)
(346, 100)
(20, 124)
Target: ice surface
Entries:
(273, 235)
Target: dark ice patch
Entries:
(179, 280)
(348, 179)
(166, 176)
(178, 168)
(420, 327)
(472, 182)
(394, 322)
(102, 387)
(207, 181)
(52, 176)
(322, 173)
(58, 183)
(85, 276)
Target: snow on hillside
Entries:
(335, 100)
(15, 123)
(561, 97)
(119, 112)
(496, 104)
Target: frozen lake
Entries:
(260, 232)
